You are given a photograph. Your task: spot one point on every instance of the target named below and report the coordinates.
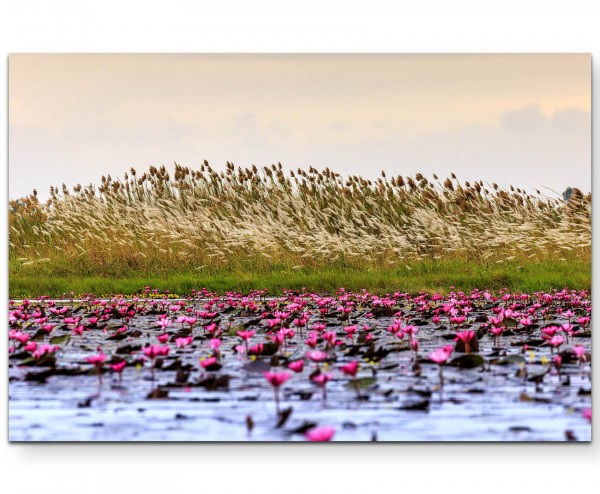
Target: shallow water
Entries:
(490, 403)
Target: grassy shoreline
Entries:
(430, 276)
(246, 228)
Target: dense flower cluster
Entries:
(304, 337)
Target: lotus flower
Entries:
(440, 356)
(320, 434)
(466, 337)
(317, 356)
(296, 366)
(97, 360)
(321, 380)
(276, 379)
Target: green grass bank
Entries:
(430, 276)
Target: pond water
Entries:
(502, 391)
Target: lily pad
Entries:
(305, 426)
(284, 416)
(420, 406)
(258, 366)
(363, 382)
(46, 360)
(127, 349)
(213, 382)
(157, 394)
(40, 376)
(512, 359)
(118, 336)
(57, 340)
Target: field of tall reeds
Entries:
(246, 220)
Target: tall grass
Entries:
(255, 220)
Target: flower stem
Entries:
(277, 410)
(356, 387)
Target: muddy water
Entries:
(498, 401)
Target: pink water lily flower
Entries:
(319, 326)
(466, 337)
(458, 320)
(44, 349)
(497, 331)
(163, 323)
(330, 337)
(321, 380)
(350, 332)
(47, 328)
(153, 351)
(296, 366)
(526, 322)
(549, 331)
(350, 369)
(557, 361)
(311, 341)
(211, 328)
(317, 356)
(496, 321)
(256, 349)
(215, 344)
(23, 338)
(568, 330)
(247, 334)
(276, 379)
(320, 434)
(207, 362)
(440, 356)
(97, 359)
(118, 367)
(288, 333)
(183, 342)
(273, 322)
(556, 341)
(579, 352)
(410, 330)
(278, 338)
(31, 347)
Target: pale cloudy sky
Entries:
(511, 119)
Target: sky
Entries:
(510, 119)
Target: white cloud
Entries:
(523, 147)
